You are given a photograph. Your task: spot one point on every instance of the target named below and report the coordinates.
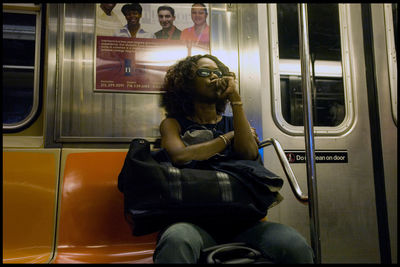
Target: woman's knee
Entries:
(280, 242)
(293, 246)
(181, 233)
(178, 244)
(181, 243)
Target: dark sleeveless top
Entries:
(194, 133)
(223, 126)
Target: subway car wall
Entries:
(77, 89)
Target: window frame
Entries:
(31, 9)
(279, 120)
(392, 58)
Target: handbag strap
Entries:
(225, 186)
(174, 183)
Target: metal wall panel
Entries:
(82, 115)
(50, 74)
(249, 58)
(224, 39)
(387, 119)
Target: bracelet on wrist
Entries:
(236, 103)
(226, 141)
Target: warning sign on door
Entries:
(296, 156)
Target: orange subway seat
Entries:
(92, 227)
(29, 199)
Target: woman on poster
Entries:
(200, 31)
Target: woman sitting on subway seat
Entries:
(197, 91)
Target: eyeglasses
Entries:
(207, 72)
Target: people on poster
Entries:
(200, 31)
(107, 20)
(166, 17)
(119, 47)
(133, 14)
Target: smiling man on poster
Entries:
(133, 14)
(166, 17)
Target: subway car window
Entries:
(20, 68)
(328, 96)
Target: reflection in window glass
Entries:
(19, 40)
(325, 52)
(17, 94)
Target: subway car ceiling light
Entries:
(323, 68)
(19, 32)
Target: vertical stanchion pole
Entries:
(308, 131)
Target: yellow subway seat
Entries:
(29, 197)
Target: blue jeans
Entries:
(182, 243)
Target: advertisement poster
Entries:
(137, 43)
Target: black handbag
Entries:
(157, 194)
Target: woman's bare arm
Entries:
(179, 152)
(245, 143)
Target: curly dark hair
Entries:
(179, 86)
(128, 7)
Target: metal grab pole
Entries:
(308, 131)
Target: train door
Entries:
(349, 200)
(347, 194)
